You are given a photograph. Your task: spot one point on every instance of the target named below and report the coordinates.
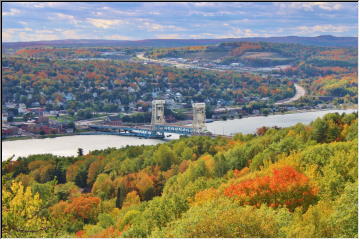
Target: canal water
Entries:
(68, 145)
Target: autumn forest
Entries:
(300, 181)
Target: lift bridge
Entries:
(158, 126)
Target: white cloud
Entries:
(41, 4)
(47, 4)
(204, 4)
(117, 37)
(328, 28)
(156, 13)
(71, 34)
(310, 6)
(104, 23)
(61, 16)
(241, 33)
(235, 33)
(168, 36)
(12, 12)
(98, 13)
(150, 26)
(24, 23)
(108, 10)
(215, 13)
(7, 34)
(329, 5)
(29, 34)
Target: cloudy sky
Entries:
(27, 21)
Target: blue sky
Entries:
(33, 21)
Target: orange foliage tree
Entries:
(84, 207)
(285, 187)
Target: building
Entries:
(113, 120)
(4, 117)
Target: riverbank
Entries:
(349, 107)
(68, 145)
(15, 138)
(352, 107)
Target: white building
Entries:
(22, 108)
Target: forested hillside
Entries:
(324, 41)
(260, 54)
(300, 181)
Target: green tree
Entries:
(164, 157)
(320, 129)
(80, 152)
(120, 196)
(346, 212)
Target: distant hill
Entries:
(258, 54)
(323, 41)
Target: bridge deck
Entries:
(147, 131)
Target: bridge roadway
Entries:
(146, 131)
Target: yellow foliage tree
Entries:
(132, 198)
(20, 213)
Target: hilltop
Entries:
(323, 41)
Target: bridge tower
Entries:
(157, 116)
(198, 123)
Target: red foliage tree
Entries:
(286, 187)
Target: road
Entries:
(300, 92)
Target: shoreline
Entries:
(355, 107)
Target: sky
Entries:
(35, 21)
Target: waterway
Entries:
(68, 145)
(250, 124)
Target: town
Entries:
(20, 121)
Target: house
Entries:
(43, 120)
(38, 110)
(131, 90)
(113, 120)
(69, 130)
(54, 112)
(35, 104)
(121, 108)
(9, 130)
(22, 108)
(69, 97)
(256, 111)
(39, 129)
(131, 106)
(178, 96)
(4, 117)
(10, 105)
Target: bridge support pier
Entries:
(157, 116)
(199, 117)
